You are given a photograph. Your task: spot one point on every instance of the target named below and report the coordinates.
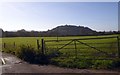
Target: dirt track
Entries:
(15, 65)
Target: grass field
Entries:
(103, 44)
(32, 40)
(86, 49)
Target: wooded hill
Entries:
(69, 30)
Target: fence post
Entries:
(118, 46)
(75, 48)
(4, 45)
(42, 50)
(14, 44)
(38, 46)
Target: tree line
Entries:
(66, 30)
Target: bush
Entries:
(26, 53)
(31, 55)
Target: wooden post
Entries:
(4, 45)
(42, 50)
(118, 46)
(38, 46)
(75, 48)
(14, 44)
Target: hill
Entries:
(70, 30)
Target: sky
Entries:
(41, 16)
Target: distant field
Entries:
(32, 40)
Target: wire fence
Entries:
(83, 48)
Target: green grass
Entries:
(69, 56)
(105, 45)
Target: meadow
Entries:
(72, 51)
(32, 40)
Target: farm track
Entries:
(15, 65)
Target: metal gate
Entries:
(84, 48)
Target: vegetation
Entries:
(66, 30)
(26, 49)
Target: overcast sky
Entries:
(41, 16)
